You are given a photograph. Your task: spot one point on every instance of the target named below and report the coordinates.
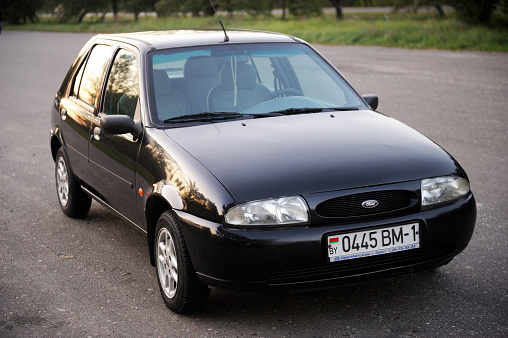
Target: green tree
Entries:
(472, 11)
(416, 4)
(475, 11)
(138, 6)
(67, 10)
(260, 7)
(168, 7)
(338, 8)
(305, 8)
(196, 7)
(230, 6)
(114, 7)
(20, 11)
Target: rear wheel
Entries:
(179, 285)
(73, 201)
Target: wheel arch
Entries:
(155, 206)
(55, 145)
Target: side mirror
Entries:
(372, 100)
(120, 124)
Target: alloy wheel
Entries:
(62, 181)
(167, 264)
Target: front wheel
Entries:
(179, 285)
(73, 200)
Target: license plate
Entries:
(373, 242)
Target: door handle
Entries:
(97, 132)
(63, 113)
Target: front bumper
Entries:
(296, 257)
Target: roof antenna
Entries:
(226, 38)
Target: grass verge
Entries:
(422, 30)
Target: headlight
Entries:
(280, 211)
(443, 189)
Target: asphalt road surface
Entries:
(92, 277)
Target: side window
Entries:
(122, 89)
(77, 81)
(89, 85)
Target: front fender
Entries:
(169, 178)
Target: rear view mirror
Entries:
(120, 124)
(372, 100)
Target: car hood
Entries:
(308, 153)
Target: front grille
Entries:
(351, 205)
(359, 266)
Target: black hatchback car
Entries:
(251, 165)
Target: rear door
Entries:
(113, 157)
(78, 107)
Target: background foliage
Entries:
(22, 11)
(440, 26)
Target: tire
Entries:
(72, 199)
(179, 285)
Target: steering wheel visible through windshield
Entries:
(232, 80)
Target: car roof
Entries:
(182, 38)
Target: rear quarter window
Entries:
(88, 82)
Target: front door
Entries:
(113, 157)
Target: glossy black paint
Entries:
(112, 164)
(76, 119)
(254, 260)
(301, 154)
(168, 171)
(201, 171)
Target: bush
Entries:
(305, 8)
(20, 11)
(474, 11)
(167, 7)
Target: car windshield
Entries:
(203, 83)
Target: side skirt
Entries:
(103, 203)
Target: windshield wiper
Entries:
(205, 116)
(209, 116)
(294, 111)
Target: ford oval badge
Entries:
(370, 204)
